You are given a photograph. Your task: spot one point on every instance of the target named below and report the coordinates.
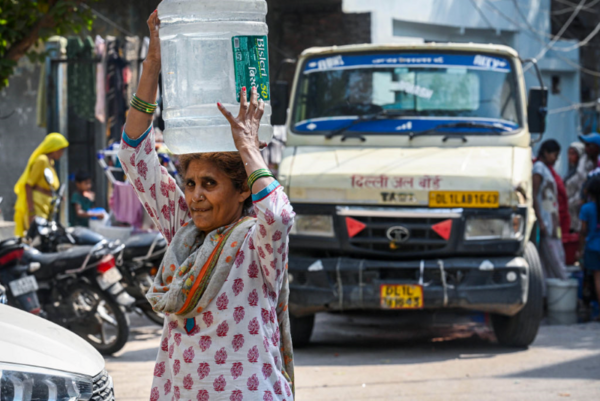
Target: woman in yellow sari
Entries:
(34, 195)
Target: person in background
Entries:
(545, 203)
(563, 203)
(592, 151)
(82, 201)
(591, 167)
(34, 194)
(574, 181)
(589, 240)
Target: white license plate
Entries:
(23, 286)
(109, 278)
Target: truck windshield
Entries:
(402, 93)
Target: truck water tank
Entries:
(210, 50)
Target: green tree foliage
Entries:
(24, 23)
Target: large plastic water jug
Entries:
(210, 50)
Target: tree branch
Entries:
(22, 46)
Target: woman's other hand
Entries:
(154, 47)
(244, 127)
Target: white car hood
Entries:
(26, 339)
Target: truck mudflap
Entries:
(496, 285)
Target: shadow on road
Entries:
(142, 345)
(587, 367)
(368, 339)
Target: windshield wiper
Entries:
(361, 119)
(499, 128)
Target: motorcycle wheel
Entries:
(156, 317)
(144, 282)
(103, 323)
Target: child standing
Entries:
(589, 237)
(82, 201)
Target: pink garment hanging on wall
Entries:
(126, 205)
(101, 80)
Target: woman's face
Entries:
(573, 157)
(211, 197)
(550, 158)
(56, 154)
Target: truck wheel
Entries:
(301, 328)
(521, 329)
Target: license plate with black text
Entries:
(401, 296)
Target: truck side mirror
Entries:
(279, 102)
(537, 109)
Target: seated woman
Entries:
(223, 284)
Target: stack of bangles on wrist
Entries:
(255, 176)
(142, 106)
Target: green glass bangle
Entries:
(142, 109)
(143, 102)
(258, 174)
(144, 105)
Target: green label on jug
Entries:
(251, 61)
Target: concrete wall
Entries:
(19, 134)
(294, 26)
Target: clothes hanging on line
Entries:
(81, 77)
(131, 52)
(126, 206)
(115, 100)
(42, 95)
(100, 109)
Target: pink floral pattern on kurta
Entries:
(232, 351)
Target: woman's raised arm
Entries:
(274, 213)
(159, 193)
(137, 121)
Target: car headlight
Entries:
(314, 225)
(487, 228)
(29, 383)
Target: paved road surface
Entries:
(388, 358)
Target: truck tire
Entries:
(521, 329)
(301, 328)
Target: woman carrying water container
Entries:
(223, 284)
(589, 237)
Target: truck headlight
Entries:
(314, 225)
(29, 383)
(485, 228)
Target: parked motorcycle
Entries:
(78, 288)
(138, 262)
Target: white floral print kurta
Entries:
(232, 351)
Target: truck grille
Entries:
(422, 237)
(103, 388)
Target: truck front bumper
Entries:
(496, 285)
